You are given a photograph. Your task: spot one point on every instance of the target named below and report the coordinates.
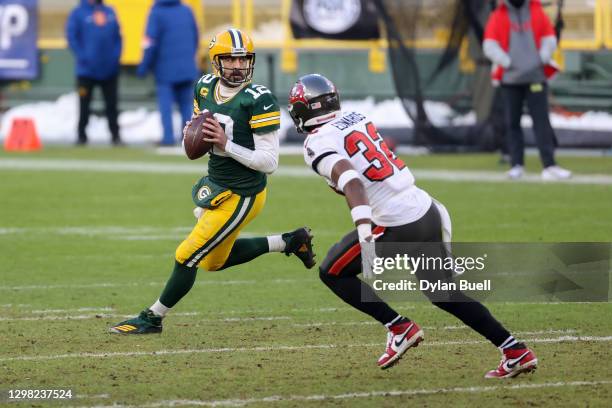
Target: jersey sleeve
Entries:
(316, 148)
(200, 92)
(265, 117)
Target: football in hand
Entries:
(195, 145)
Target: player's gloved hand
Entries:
(368, 251)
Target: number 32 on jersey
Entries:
(383, 162)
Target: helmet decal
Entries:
(297, 94)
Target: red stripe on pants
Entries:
(350, 255)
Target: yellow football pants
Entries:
(211, 240)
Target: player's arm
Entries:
(265, 123)
(265, 156)
(347, 180)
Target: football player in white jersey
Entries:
(347, 151)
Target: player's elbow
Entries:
(270, 168)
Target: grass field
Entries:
(88, 236)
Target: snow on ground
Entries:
(56, 120)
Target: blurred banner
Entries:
(334, 19)
(18, 37)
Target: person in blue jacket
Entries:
(170, 47)
(94, 36)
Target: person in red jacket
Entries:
(520, 41)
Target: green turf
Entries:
(72, 240)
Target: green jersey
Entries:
(253, 110)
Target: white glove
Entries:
(368, 254)
(368, 251)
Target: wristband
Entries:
(361, 212)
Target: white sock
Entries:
(392, 322)
(276, 243)
(509, 342)
(159, 309)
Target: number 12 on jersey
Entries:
(374, 149)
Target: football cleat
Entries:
(515, 361)
(146, 323)
(299, 243)
(401, 337)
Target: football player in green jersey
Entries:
(244, 134)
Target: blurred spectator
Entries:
(520, 41)
(94, 37)
(171, 43)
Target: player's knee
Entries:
(181, 255)
(210, 264)
(181, 260)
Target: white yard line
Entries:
(94, 396)
(449, 328)
(101, 314)
(80, 309)
(283, 171)
(286, 348)
(119, 285)
(359, 394)
(122, 316)
(225, 313)
(241, 319)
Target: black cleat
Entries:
(146, 323)
(299, 243)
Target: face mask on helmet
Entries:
(313, 101)
(517, 3)
(234, 72)
(233, 58)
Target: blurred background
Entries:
(447, 103)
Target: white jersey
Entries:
(389, 184)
